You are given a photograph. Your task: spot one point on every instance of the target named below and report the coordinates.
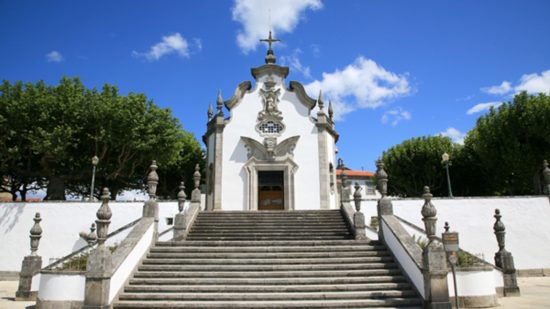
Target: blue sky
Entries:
(393, 69)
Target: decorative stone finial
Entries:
(357, 197)
(500, 230)
(103, 217)
(181, 197)
(330, 110)
(152, 180)
(382, 178)
(320, 101)
(429, 214)
(197, 176)
(36, 233)
(92, 237)
(210, 111)
(219, 103)
(270, 57)
(446, 227)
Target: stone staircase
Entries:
(269, 259)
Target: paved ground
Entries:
(535, 294)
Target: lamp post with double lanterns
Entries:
(445, 160)
(95, 161)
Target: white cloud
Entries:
(258, 17)
(362, 84)
(535, 83)
(294, 62)
(172, 44)
(455, 135)
(504, 88)
(532, 83)
(483, 107)
(395, 116)
(54, 56)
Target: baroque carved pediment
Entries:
(270, 150)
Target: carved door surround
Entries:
(287, 166)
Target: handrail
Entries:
(166, 231)
(88, 246)
(421, 230)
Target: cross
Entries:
(270, 40)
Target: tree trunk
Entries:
(55, 190)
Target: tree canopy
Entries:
(416, 163)
(502, 154)
(52, 132)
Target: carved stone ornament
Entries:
(270, 150)
(270, 118)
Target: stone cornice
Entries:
(323, 122)
(241, 89)
(269, 68)
(216, 124)
(298, 88)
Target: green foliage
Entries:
(54, 131)
(509, 144)
(416, 163)
(502, 155)
(465, 259)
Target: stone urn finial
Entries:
(152, 180)
(181, 197)
(219, 103)
(500, 230)
(197, 176)
(357, 197)
(330, 110)
(210, 112)
(429, 214)
(103, 217)
(382, 178)
(320, 101)
(36, 233)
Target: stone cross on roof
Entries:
(270, 58)
(270, 40)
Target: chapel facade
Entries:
(271, 152)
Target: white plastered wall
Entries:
(61, 224)
(243, 122)
(526, 220)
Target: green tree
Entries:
(509, 144)
(54, 131)
(416, 163)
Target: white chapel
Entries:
(270, 152)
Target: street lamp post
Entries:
(95, 161)
(445, 160)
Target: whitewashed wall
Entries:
(526, 220)
(61, 224)
(243, 122)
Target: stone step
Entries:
(409, 303)
(270, 249)
(270, 212)
(266, 288)
(272, 274)
(265, 237)
(266, 261)
(255, 234)
(286, 228)
(251, 295)
(269, 280)
(262, 255)
(271, 243)
(266, 268)
(231, 224)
